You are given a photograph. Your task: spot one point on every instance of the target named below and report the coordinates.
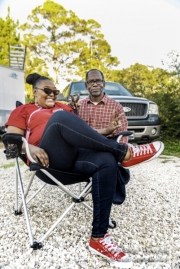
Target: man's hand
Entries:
(74, 102)
(39, 155)
(114, 123)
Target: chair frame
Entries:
(80, 198)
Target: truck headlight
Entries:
(153, 109)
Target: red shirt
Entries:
(33, 119)
(98, 116)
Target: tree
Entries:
(137, 78)
(167, 96)
(96, 55)
(168, 100)
(159, 85)
(62, 40)
(9, 36)
(34, 65)
(174, 63)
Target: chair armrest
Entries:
(125, 133)
(13, 144)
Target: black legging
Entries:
(74, 146)
(66, 132)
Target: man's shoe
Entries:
(106, 248)
(143, 153)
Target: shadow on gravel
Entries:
(166, 159)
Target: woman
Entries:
(61, 140)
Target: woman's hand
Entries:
(39, 155)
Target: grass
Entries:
(171, 147)
(8, 165)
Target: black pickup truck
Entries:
(142, 114)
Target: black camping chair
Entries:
(13, 145)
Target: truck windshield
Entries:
(116, 89)
(79, 88)
(111, 88)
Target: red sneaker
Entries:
(143, 153)
(106, 248)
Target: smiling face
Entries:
(95, 85)
(41, 98)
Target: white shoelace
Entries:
(111, 247)
(141, 150)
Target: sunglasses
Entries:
(48, 91)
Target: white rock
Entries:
(147, 222)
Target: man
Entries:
(107, 117)
(99, 111)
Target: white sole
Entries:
(123, 265)
(155, 156)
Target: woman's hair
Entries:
(34, 79)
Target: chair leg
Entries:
(75, 198)
(32, 243)
(112, 224)
(36, 193)
(87, 206)
(16, 212)
(85, 192)
(56, 223)
(27, 190)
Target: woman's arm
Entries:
(38, 154)
(15, 130)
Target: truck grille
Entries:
(137, 109)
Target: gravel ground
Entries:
(148, 222)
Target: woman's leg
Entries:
(65, 132)
(63, 136)
(102, 166)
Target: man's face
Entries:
(95, 84)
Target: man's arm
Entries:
(124, 123)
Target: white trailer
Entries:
(11, 90)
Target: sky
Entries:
(142, 31)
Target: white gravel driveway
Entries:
(148, 222)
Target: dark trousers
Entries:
(74, 146)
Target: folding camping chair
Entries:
(13, 144)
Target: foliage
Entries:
(174, 64)
(34, 65)
(137, 78)
(168, 100)
(97, 56)
(171, 146)
(9, 36)
(159, 85)
(167, 95)
(62, 40)
(58, 40)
